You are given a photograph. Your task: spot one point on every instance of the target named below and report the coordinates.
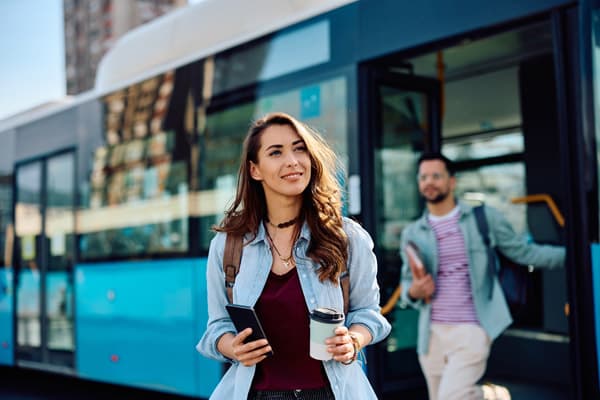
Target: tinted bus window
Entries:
(138, 184)
(269, 58)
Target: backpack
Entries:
(514, 279)
(232, 258)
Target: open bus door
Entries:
(401, 121)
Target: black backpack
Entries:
(514, 278)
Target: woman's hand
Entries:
(340, 345)
(248, 354)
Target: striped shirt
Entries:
(453, 300)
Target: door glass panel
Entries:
(477, 147)
(6, 265)
(496, 186)
(28, 227)
(59, 251)
(595, 33)
(404, 127)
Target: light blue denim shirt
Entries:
(347, 381)
(493, 313)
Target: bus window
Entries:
(265, 59)
(493, 183)
(138, 186)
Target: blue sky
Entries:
(32, 56)
(32, 66)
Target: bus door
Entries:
(402, 120)
(44, 256)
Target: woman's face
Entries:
(283, 163)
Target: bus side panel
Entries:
(6, 320)
(208, 372)
(138, 323)
(596, 286)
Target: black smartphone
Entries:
(245, 317)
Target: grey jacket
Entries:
(493, 313)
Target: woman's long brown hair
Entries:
(321, 206)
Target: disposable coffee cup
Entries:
(323, 322)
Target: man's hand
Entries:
(422, 288)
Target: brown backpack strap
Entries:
(232, 258)
(345, 284)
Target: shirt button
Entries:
(312, 300)
(304, 275)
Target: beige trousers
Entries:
(456, 360)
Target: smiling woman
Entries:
(297, 245)
(156, 147)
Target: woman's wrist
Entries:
(224, 344)
(355, 345)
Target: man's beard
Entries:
(439, 198)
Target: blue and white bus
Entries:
(107, 199)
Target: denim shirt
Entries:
(493, 313)
(347, 381)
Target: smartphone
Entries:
(245, 317)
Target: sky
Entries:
(32, 56)
(32, 64)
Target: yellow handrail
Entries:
(546, 198)
(391, 303)
(532, 198)
(560, 220)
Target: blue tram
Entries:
(107, 199)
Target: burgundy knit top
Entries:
(285, 319)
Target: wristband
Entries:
(356, 346)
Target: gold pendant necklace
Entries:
(285, 260)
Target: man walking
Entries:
(458, 318)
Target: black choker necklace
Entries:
(283, 224)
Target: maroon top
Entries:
(284, 317)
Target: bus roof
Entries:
(179, 37)
(196, 31)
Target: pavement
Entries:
(518, 391)
(36, 385)
(524, 391)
